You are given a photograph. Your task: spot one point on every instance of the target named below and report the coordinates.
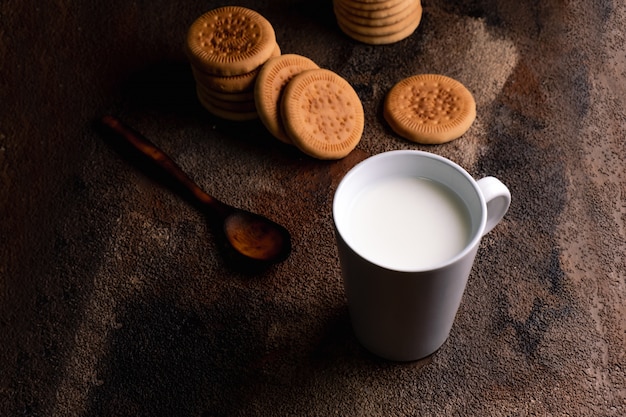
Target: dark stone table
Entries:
(115, 298)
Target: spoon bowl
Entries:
(252, 236)
(256, 237)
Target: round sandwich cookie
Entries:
(218, 95)
(378, 17)
(369, 21)
(232, 106)
(322, 114)
(429, 109)
(230, 84)
(230, 40)
(270, 83)
(360, 6)
(384, 39)
(237, 112)
(381, 30)
(396, 25)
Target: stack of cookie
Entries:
(378, 22)
(226, 48)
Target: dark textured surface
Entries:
(115, 299)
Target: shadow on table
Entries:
(169, 360)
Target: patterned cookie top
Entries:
(322, 114)
(230, 40)
(429, 108)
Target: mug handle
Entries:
(498, 199)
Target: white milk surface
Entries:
(408, 223)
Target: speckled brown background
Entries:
(116, 301)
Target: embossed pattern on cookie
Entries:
(322, 113)
(230, 40)
(429, 108)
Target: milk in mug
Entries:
(408, 223)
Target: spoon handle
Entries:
(142, 144)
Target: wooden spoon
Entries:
(251, 235)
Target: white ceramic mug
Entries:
(406, 313)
